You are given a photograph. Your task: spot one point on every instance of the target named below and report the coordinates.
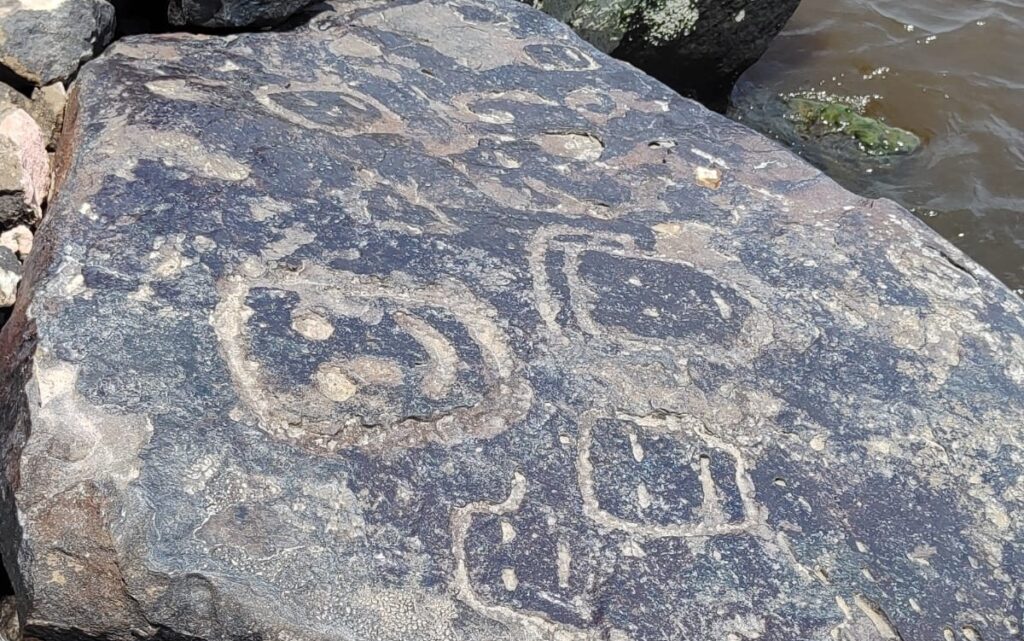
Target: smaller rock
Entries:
(24, 169)
(45, 42)
(10, 276)
(18, 240)
(822, 118)
(46, 106)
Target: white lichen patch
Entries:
(669, 20)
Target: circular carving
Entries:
(366, 362)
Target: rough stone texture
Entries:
(24, 169)
(371, 332)
(18, 240)
(44, 104)
(10, 275)
(44, 41)
(47, 107)
(232, 13)
(699, 47)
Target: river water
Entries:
(952, 71)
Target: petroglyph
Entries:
(582, 256)
(414, 323)
(711, 519)
(343, 404)
(531, 626)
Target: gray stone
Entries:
(44, 41)
(45, 105)
(232, 13)
(10, 276)
(18, 240)
(24, 169)
(698, 47)
(367, 331)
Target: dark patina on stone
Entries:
(367, 331)
(220, 14)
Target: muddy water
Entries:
(951, 71)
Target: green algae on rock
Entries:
(828, 117)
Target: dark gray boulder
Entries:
(45, 41)
(367, 331)
(219, 14)
(698, 47)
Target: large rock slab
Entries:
(45, 41)
(366, 331)
(699, 47)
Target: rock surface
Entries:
(699, 47)
(18, 240)
(832, 132)
(365, 331)
(232, 13)
(24, 169)
(10, 276)
(44, 41)
(45, 105)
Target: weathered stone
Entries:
(232, 13)
(699, 47)
(45, 105)
(24, 169)
(828, 118)
(366, 331)
(10, 276)
(44, 41)
(18, 240)
(832, 132)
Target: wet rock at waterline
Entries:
(699, 47)
(367, 332)
(44, 41)
(822, 118)
(839, 134)
(24, 169)
(232, 13)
